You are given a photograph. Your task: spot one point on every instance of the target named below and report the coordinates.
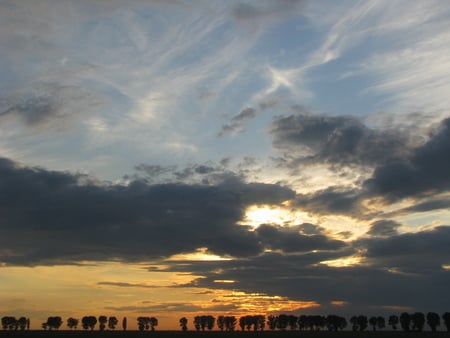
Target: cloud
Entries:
(345, 140)
(49, 105)
(71, 218)
(384, 228)
(290, 240)
(265, 10)
(238, 121)
(184, 307)
(338, 201)
(426, 170)
(402, 270)
(417, 253)
(128, 285)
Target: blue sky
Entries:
(321, 127)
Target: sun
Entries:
(264, 214)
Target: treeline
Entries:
(87, 323)
(414, 322)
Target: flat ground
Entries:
(217, 334)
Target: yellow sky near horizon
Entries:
(123, 290)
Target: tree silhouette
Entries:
(72, 323)
(446, 318)
(373, 322)
(143, 323)
(354, 321)
(418, 321)
(124, 323)
(405, 321)
(381, 323)
(10, 323)
(183, 323)
(362, 322)
(230, 323)
(22, 323)
(221, 323)
(271, 321)
(52, 323)
(112, 323)
(197, 323)
(335, 323)
(153, 323)
(89, 322)
(393, 321)
(292, 322)
(102, 320)
(433, 320)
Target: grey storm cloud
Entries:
(425, 171)
(401, 168)
(290, 239)
(332, 200)
(343, 140)
(54, 217)
(384, 228)
(404, 270)
(51, 217)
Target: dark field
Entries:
(217, 334)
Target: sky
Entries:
(174, 158)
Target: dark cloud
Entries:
(345, 140)
(238, 121)
(289, 239)
(53, 217)
(49, 105)
(429, 205)
(425, 171)
(403, 270)
(384, 228)
(332, 201)
(417, 253)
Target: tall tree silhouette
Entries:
(433, 320)
(405, 321)
(292, 322)
(418, 321)
(153, 323)
(52, 323)
(89, 322)
(112, 323)
(381, 323)
(230, 323)
(446, 319)
(362, 322)
(373, 323)
(72, 323)
(102, 320)
(393, 321)
(354, 321)
(143, 323)
(221, 323)
(271, 321)
(22, 322)
(335, 323)
(124, 323)
(197, 323)
(10, 323)
(183, 323)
